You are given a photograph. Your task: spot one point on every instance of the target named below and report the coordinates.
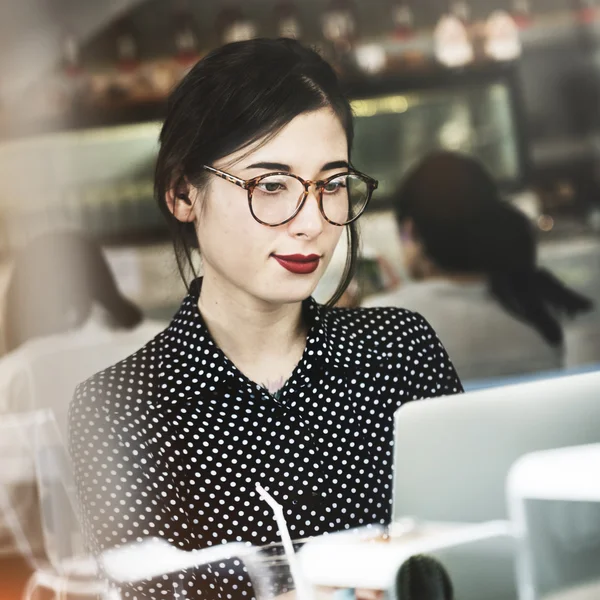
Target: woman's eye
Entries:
(271, 186)
(334, 186)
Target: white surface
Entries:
(561, 474)
(350, 560)
(154, 557)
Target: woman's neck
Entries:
(265, 341)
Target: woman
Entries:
(253, 382)
(473, 259)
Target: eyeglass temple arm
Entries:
(372, 181)
(241, 182)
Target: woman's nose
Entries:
(309, 221)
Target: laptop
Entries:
(452, 454)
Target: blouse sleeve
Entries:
(126, 492)
(434, 375)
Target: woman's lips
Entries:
(298, 263)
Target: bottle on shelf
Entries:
(124, 78)
(340, 31)
(586, 11)
(187, 50)
(461, 9)
(452, 44)
(288, 20)
(403, 20)
(233, 26)
(502, 39)
(522, 13)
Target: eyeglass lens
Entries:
(275, 198)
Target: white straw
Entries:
(302, 591)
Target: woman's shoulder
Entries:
(371, 314)
(384, 339)
(378, 324)
(122, 383)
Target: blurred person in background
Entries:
(253, 381)
(472, 258)
(60, 283)
(64, 319)
(62, 296)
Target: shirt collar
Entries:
(188, 354)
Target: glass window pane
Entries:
(395, 131)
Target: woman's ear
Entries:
(180, 200)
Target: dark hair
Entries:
(237, 95)
(55, 280)
(466, 227)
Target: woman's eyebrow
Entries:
(271, 166)
(275, 166)
(336, 164)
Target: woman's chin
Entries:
(292, 291)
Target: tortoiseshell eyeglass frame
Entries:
(250, 184)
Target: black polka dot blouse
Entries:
(171, 441)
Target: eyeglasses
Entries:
(276, 198)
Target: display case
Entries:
(478, 111)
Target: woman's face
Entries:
(241, 255)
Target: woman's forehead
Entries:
(309, 141)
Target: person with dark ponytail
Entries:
(473, 259)
(253, 382)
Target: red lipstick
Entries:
(300, 264)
